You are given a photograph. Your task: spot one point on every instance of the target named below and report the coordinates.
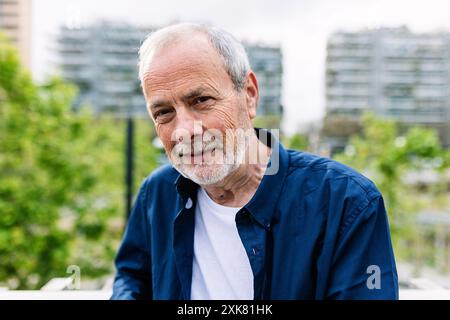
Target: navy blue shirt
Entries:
(314, 230)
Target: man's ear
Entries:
(251, 92)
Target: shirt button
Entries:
(254, 251)
(188, 204)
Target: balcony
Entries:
(348, 78)
(348, 91)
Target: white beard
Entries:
(211, 173)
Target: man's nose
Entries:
(187, 126)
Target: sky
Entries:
(300, 27)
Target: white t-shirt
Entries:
(221, 269)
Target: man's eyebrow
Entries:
(186, 97)
(194, 93)
(159, 104)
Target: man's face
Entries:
(196, 109)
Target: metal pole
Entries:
(129, 166)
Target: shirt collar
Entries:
(262, 207)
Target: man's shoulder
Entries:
(318, 172)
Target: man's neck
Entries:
(238, 187)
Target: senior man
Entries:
(235, 215)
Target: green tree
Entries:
(61, 179)
(297, 142)
(41, 174)
(270, 121)
(386, 156)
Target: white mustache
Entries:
(198, 148)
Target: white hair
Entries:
(231, 50)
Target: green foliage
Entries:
(267, 122)
(61, 179)
(387, 157)
(297, 142)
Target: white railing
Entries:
(55, 295)
(405, 294)
(58, 289)
(418, 294)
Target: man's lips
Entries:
(202, 153)
(199, 157)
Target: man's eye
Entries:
(161, 113)
(201, 99)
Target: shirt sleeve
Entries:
(363, 264)
(133, 261)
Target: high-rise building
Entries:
(102, 61)
(267, 63)
(15, 22)
(391, 72)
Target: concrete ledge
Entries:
(405, 294)
(55, 295)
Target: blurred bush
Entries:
(387, 156)
(61, 179)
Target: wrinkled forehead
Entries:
(183, 60)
